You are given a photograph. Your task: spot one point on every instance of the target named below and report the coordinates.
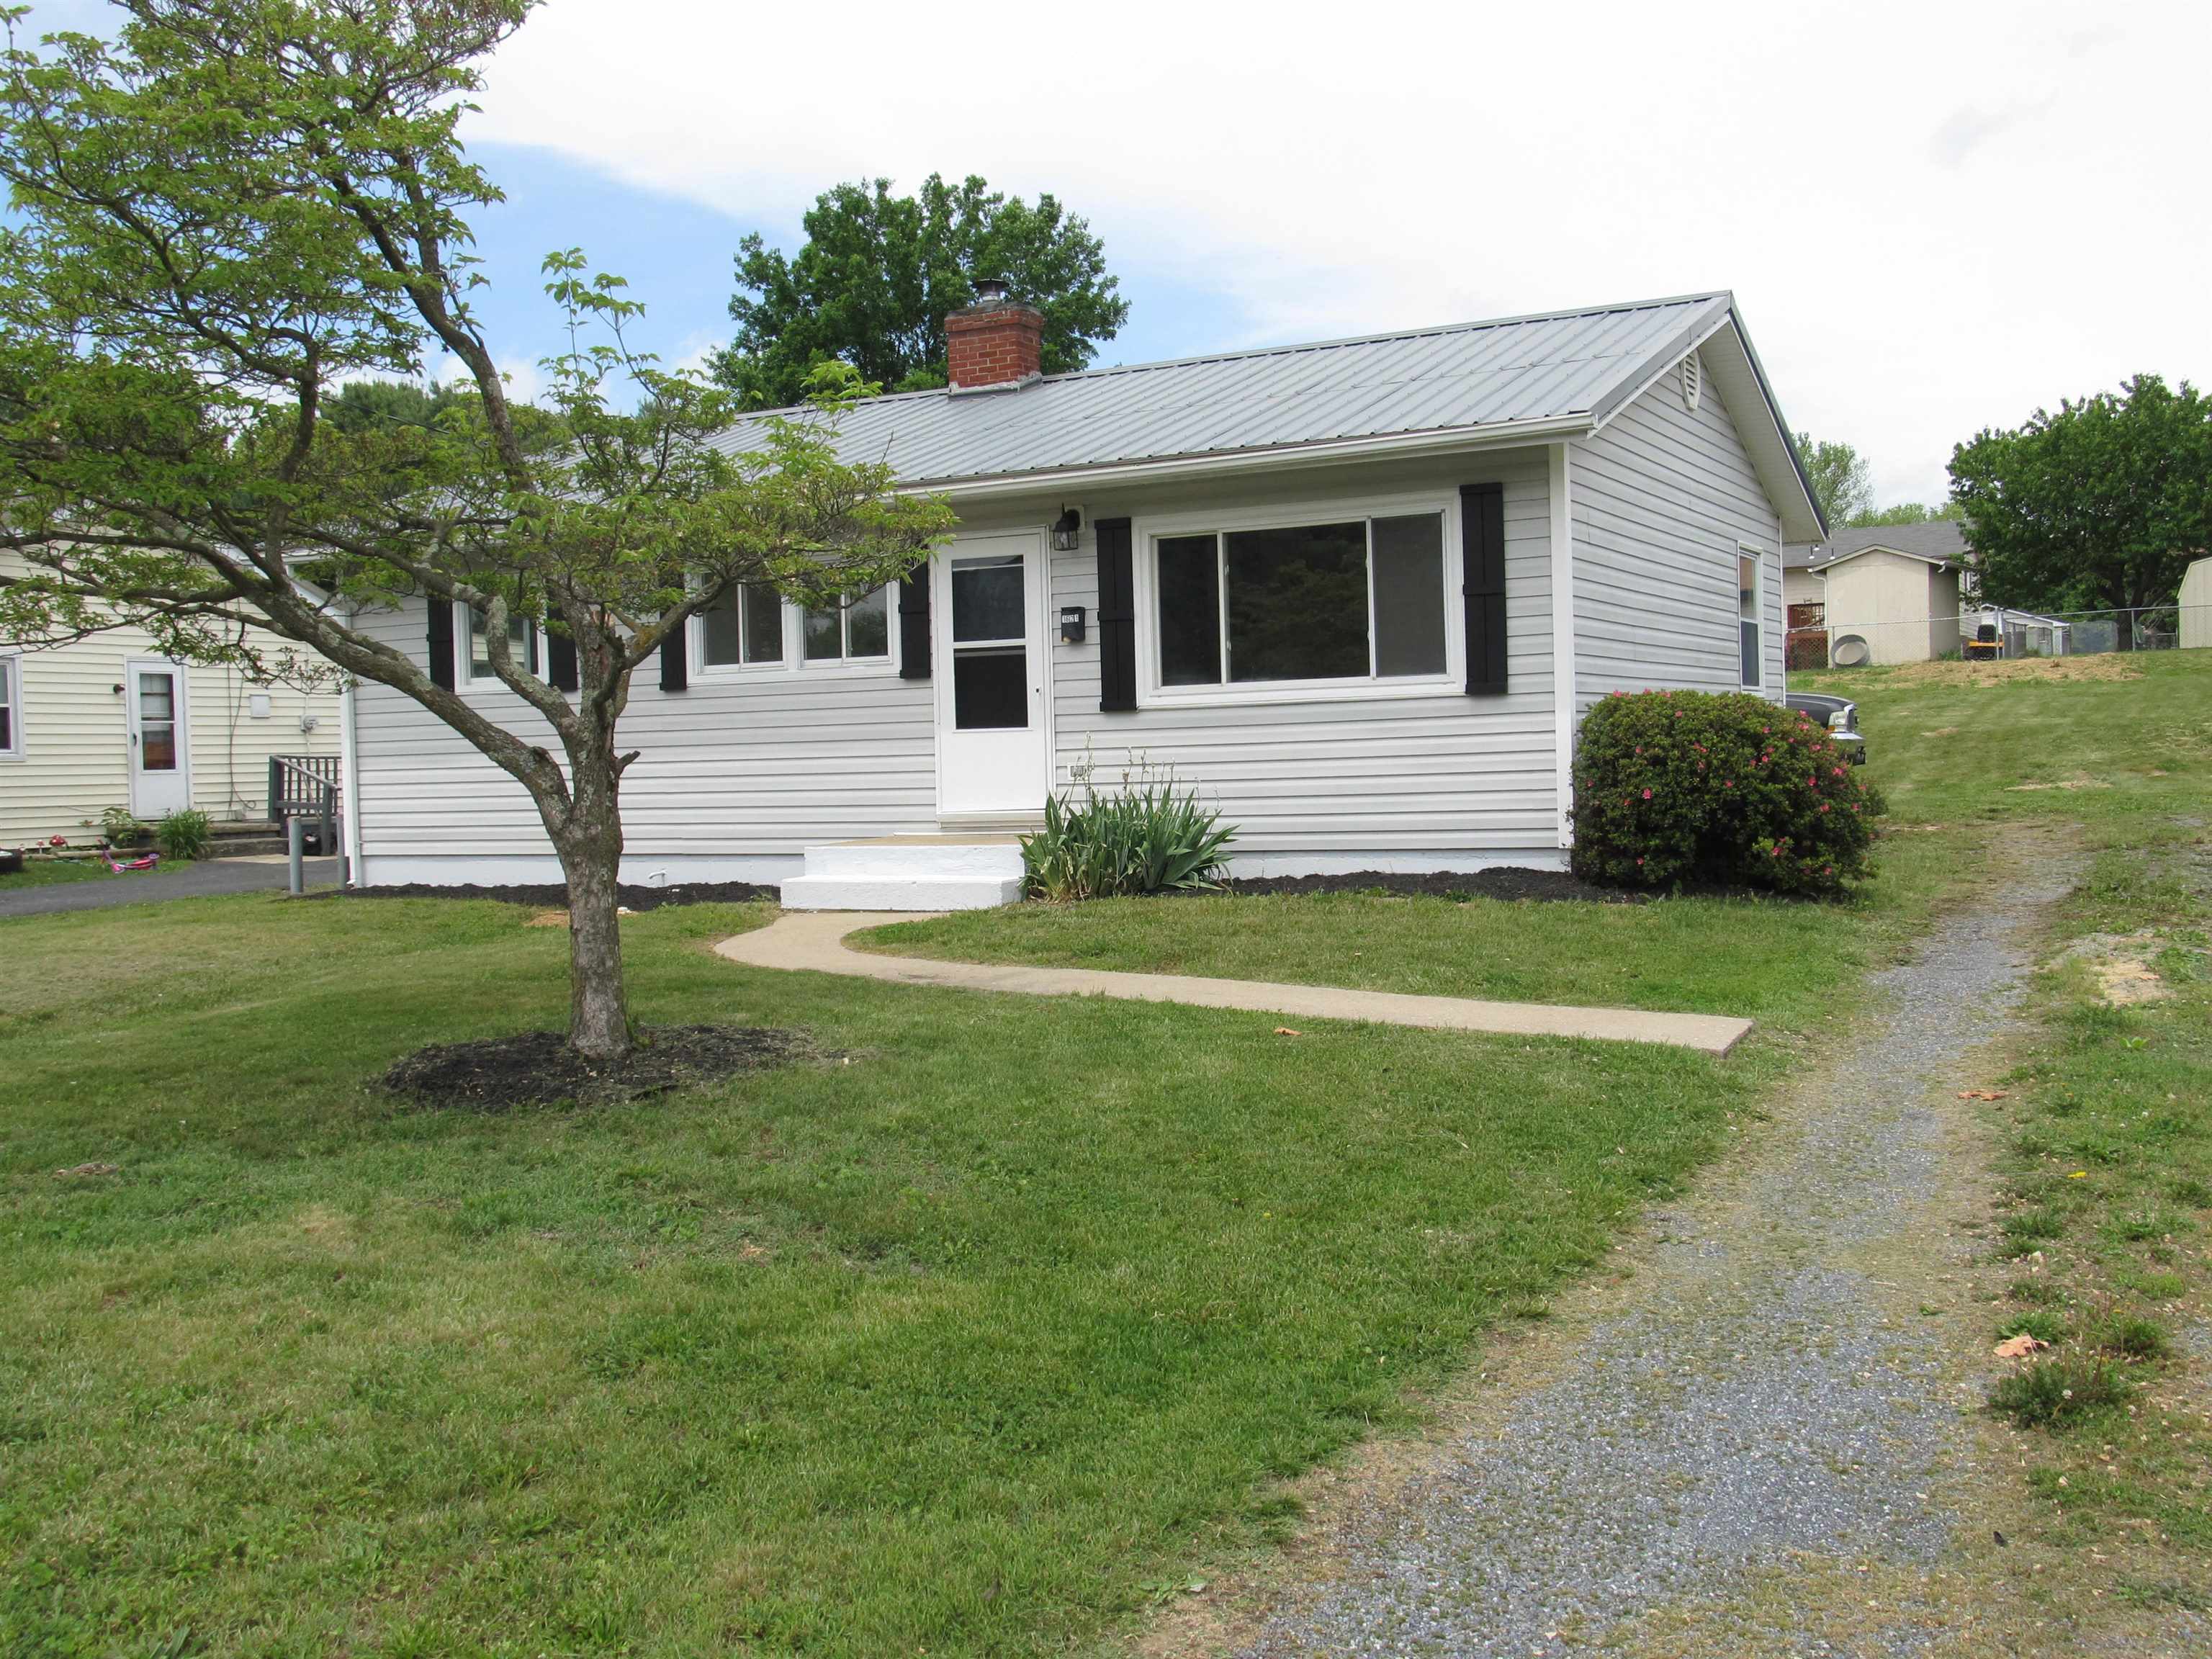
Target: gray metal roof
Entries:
(1562, 366)
(1939, 538)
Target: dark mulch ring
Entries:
(1501, 884)
(536, 1068)
(553, 895)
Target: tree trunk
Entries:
(598, 1007)
(589, 842)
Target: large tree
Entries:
(877, 273)
(1842, 481)
(1906, 512)
(236, 207)
(2099, 506)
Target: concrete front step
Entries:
(252, 838)
(910, 872)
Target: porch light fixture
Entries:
(1067, 530)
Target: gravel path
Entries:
(1746, 1449)
(193, 881)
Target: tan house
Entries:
(1886, 593)
(108, 721)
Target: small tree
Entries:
(2099, 506)
(235, 208)
(879, 272)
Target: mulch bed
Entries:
(1501, 884)
(554, 896)
(536, 1068)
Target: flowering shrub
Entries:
(1696, 788)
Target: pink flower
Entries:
(1647, 794)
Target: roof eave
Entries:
(1507, 434)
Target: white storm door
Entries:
(988, 615)
(160, 744)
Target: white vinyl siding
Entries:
(1428, 778)
(1661, 498)
(744, 769)
(74, 758)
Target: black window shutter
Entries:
(441, 642)
(913, 623)
(1482, 549)
(561, 662)
(1117, 617)
(676, 661)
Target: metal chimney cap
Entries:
(990, 290)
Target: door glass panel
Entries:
(991, 689)
(988, 599)
(157, 723)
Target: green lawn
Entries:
(2106, 1146)
(975, 1339)
(965, 1345)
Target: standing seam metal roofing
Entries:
(1514, 370)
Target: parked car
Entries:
(1839, 714)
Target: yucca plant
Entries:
(1147, 837)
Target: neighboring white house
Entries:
(2196, 602)
(1357, 593)
(1889, 593)
(105, 721)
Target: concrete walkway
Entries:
(814, 942)
(246, 875)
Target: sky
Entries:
(1936, 217)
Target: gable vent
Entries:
(1694, 381)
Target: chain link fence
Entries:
(1994, 632)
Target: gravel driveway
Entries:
(1745, 1447)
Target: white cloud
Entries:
(1335, 172)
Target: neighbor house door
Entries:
(987, 611)
(161, 749)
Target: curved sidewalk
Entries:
(814, 941)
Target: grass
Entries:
(52, 872)
(959, 1346)
(2107, 1160)
(972, 1341)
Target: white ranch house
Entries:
(1357, 593)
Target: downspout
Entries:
(1563, 641)
(350, 783)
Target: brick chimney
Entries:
(994, 341)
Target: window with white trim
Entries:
(1751, 585)
(744, 628)
(521, 641)
(858, 630)
(1334, 601)
(754, 627)
(11, 706)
